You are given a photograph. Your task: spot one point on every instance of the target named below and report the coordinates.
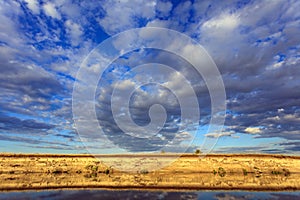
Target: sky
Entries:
(44, 45)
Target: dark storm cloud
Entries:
(33, 142)
(18, 139)
(14, 123)
(292, 146)
(272, 122)
(249, 149)
(28, 79)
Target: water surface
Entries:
(138, 194)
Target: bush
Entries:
(106, 171)
(94, 168)
(88, 167)
(144, 171)
(214, 172)
(276, 172)
(57, 171)
(197, 151)
(286, 172)
(221, 172)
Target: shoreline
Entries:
(163, 189)
(4, 154)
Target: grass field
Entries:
(188, 171)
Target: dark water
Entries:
(135, 194)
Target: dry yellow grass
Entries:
(213, 172)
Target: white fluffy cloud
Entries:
(75, 32)
(163, 8)
(253, 130)
(220, 134)
(123, 15)
(222, 23)
(33, 5)
(50, 10)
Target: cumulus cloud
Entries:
(75, 32)
(123, 15)
(253, 130)
(50, 10)
(33, 5)
(163, 8)
(254, 44)
(220, 134)
(221, 24)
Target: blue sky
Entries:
(254, 44)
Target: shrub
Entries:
(214, 172)
(144, 171)
(57, 171)
(94, 168)
(87, 176)
(275, 172)
(88, 167)
(286, 172)
(106, 171)
(197, 151)
(221, 172)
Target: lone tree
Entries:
(197, 151)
